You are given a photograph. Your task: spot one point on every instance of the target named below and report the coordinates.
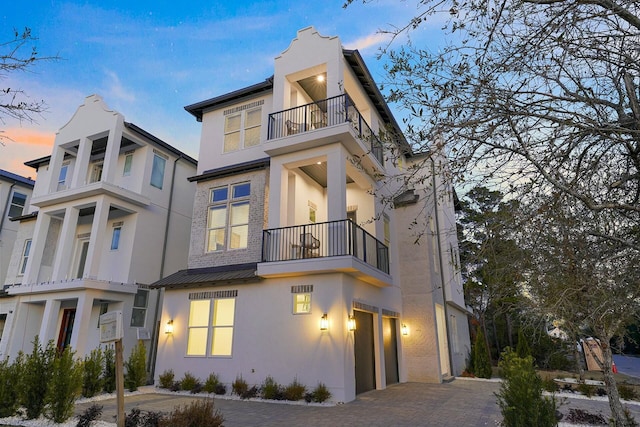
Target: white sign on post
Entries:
(111, 326)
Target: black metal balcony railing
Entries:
(327, 112)
(325, 239)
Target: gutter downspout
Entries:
(444, 295)
(156, 323)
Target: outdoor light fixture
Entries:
(351, 323)
(168, 328)
(320, 78)
(404, 329)
(324, 322)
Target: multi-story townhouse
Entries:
(111, 213)
(298, 265)
(15, 194)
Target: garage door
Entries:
(365, 361)
(390, 338)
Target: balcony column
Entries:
(37, 248)
(278, 191)
(62, 261)
(337, 184)
(55, 164)
(81, 168)
(82, 326)
(96, 243)
(49, 322)
(113, 150)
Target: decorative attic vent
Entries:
(301, 289)
(366, 307)
(390, 313)
(118, 224)
(84, 235)
(213, 294)
(243, 107)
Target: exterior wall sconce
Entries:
(404, 329)
(351, 323)
(168, 328)
(324, 322)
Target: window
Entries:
(128, 160)
(242, 130)
(139, 311)
(211, 327)
(302, 303)
(157, 173)
(313, 210)
(18, 200)
(228, 218)
(96, 172)
(62, 178)
(115, 238)
(25, 256)
(104, 307)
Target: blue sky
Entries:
(150, 59)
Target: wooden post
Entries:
(119, 383)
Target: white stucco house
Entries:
(110, 213)
(15, 194)
(297, 267)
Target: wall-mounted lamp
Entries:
(324, 322)
(404, 329)
(168, 328)
(351, 323)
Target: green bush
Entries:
(550, 385)
(136, 367)
(271, 390)
(199, 413)
(92, 380)
(109, 374)
(211, 383)
(64, 386)
(35, 378)
(522, 347)
(294, 391)
(239, 386)
(9, 393)
(481, 360)
(520, 396)
(586, 389)
(321, 393)
(167, 379)
(627, 392)
(188, 382)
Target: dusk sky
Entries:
(150, 59)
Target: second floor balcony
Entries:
(324, 113)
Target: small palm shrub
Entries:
(167, 379)
(189, 382)
(136, 367)
(199, 413)
(239, 386)
(92, 380)
(211, 382)
(294, 391)
(109, 373)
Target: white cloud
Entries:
(375, 40)
(115, 89)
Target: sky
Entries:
(149, 59)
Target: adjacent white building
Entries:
(110, 213)
(303, 261)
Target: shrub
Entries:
(35, 378)
(294, 391)
(271, 390)
(522, 347)
(627, 392)
(550, 385)
(239, 386)
(520, 396)
(580, 416)
(64, 386)
(132, 419)
(136, 367)
(92, 380)
(211, 383)
(166, 379)
(321, 393)
(188, 382)
(89, 415)
(586, 389)
(199, 413)
(109, 374)
(220, 389)
(250, 393)
(481, 361)
(9, 377)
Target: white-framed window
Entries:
(157, 171)
(115, 238)
(242, 129)
(139, 312)
(96, 172)
(18, 201)
(104, 307)
(313, 211)
(25, 256)
(228, 217)
(128, 162)
(302, 303)
(211, 323)
(62, 177)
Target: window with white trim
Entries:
(115, 238)
(157, 171)
(211, 323)
(25, 256)
(139, 312)
(228, 217)
(128, 161)
(242, 129)
(62, 177)
(18, 201)
(302, 303)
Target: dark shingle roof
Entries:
(209, 276)
(9, 176)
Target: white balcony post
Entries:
(82, 323)
(96, 243)
(55, 164)
(37, 248)
(66, 241)
(113, 150)
(49, 321)
(81, 168)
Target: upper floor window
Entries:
(242, 129)
(115, 238)
(128, 161)
(62, 177)
(157, 172)
(228, 217)
(139, 311)
(25, 256)
(96, 172)
(18, 200)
